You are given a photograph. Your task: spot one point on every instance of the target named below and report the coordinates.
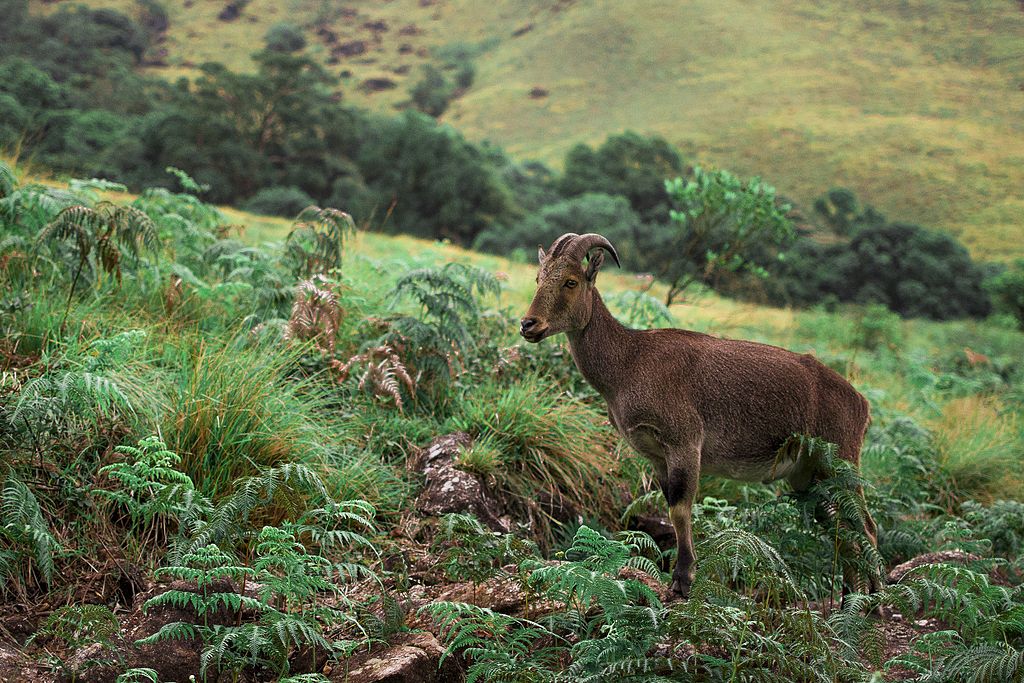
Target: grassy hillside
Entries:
(913, 105)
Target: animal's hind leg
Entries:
(804, 478)
(850, 451)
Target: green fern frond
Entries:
(8, 181)
(138, 675)
(22, 524)
(176, 630)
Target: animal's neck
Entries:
(601, 348)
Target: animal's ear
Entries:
(541, 254)
(594, 262)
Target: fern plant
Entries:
(290, 584)
(100, 238)
(27, 544)
(607, 620)
(184, 223)
(8, 181)
(467, 549)
(154, 493)
(254, 267)
(384, 373)
(141, 674)
(500, 647)
(84, 383)
(288, 486)
(316, 314)
(984, 643)
(434, 340)
(316, 242)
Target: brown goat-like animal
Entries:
(691, 402)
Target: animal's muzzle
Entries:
(531, 329)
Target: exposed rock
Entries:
(410, 658)
(522, 30)
(941, 557)
(449, 489)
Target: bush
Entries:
(842, 212)
(720, 224)
(432, 93)
(630, 165)
(278, 201)
(285, 37)
(586, 213)
(1007, 291)
(433, 182)
(914, 271)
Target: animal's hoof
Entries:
(681, 589)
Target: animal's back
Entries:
(752, 397)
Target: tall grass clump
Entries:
(546, 444)
(980, 445)
(235, 412)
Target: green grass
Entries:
(914, 105)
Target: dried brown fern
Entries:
(381, 376)
(316, 315)
(174, 293)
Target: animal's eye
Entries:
(571, 283)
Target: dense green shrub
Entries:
(432, 92)
(532, 184)
(841, 210)
(1007, 289)
(611, 215)
(627, 164)
(278, 201)
(432, 181)
(285, 37)
(912, 270)
(720, 224)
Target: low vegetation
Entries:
(217, 429)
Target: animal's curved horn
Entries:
(582, 245)
(560, 244)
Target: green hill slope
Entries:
(914, 105)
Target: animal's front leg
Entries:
(677, 466)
